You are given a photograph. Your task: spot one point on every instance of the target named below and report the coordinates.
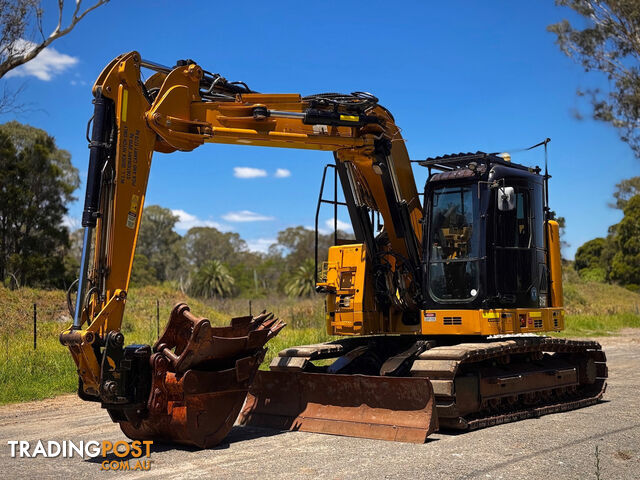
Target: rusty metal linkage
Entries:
(200, 377)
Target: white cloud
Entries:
(343, 226)
(260, 244)
(282, 173)
(248, 172)
(245, 216)
(72, 223)
(187, 221)
(48, 63)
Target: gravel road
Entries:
(555, 446)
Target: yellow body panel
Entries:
(345, 281)
(555, 260)
(491, 322)
(351, 308)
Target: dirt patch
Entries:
(623, 455)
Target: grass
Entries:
(28, 374)
(597, 309)
(593, 309)
(582, 297)
(290, 337)
(598, 325)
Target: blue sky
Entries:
(457, 75)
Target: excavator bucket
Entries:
(386, 408)
(200, 377)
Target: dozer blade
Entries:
(200, 377)
(384, 408)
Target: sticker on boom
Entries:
(131, 220)
(133, 212)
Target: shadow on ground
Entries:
(237, 434)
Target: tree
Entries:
(17, 17)
(302, 281)
(590, 262)
(9, 201)
(158, 242)
(37, 180)
(269, 272)
(609, 43)
(625, 267)
(252, 275)
(562, 228)
(626, 189)
(297, 244)
(589, 254)
(202, 244)
(75, 247)
(142, 272)
(212, 280)
(24, 137)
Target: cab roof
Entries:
(454, 161)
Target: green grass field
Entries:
(28, 374)
(593, 309)
(598, 325)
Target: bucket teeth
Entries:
(190, 341)
(200, 377)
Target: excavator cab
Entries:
(484, 240)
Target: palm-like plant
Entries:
(302, 282)
(212, 280)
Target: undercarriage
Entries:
(477, 384)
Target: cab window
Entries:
(514, 226)
(453, 267)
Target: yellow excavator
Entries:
(441, 301)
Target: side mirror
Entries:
(506, 199)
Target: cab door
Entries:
(519, 260)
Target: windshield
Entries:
(453, 267)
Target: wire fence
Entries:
(43, 320)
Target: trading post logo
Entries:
(121, 455)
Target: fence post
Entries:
(35, 322)
(157, 318)
(249, 307)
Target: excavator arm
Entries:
(181, 108)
